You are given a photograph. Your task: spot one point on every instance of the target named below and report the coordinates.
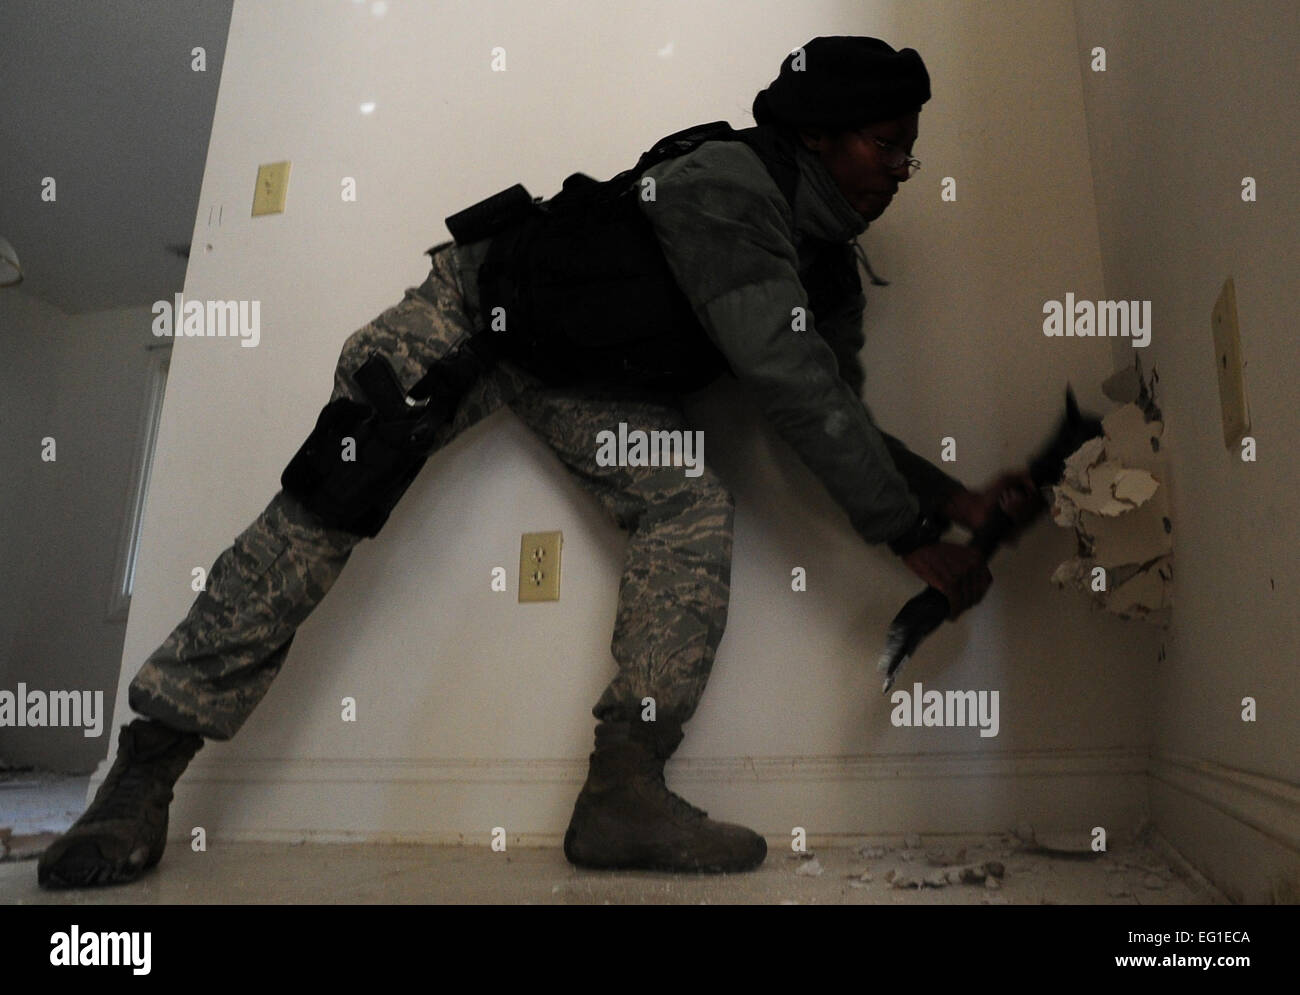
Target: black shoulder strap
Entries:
(769, 144)
(681, 142)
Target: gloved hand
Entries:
(1013, 491)
(960, 572)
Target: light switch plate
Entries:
(539, 566)
(1227, 363)
(272, 188)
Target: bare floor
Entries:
(884, 871)
(366, 873)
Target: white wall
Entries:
(83, 381)
(474, 710)
(1194, 98)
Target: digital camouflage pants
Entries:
(217, 664)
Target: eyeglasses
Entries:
(894, 156)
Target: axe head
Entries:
(1074, 430)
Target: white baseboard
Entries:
(1240, 829)
(462, 801)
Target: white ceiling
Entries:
(99, 95)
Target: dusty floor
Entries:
(866, 872)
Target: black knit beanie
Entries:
(844, 81)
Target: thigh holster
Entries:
(363, 455)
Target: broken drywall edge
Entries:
(1111, 490)
(1138, 598)
(1112, 473)
(1113, 498)
(1133, 487)
(1083, 458)
(1131, 439)
(1130, 386)
(1123, 387)
(1064, 512)
(1115, 491)
(1111, 495)
(1075, 572)
(1138, 536)
(1147, 594)
(1116, 576)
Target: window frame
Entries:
(128, 543)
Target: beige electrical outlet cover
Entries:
(272, 188)
(539, 566)
(1227, 363)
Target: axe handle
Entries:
(926, 611)
(925, 607)
(989, 536)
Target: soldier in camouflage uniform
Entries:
(217, 664)
(742, 275)
(215, 667)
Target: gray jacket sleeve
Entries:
(727, 236)
(842, 331)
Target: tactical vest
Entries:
(587, 296)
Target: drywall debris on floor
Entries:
(807, 864)
(862, 880)
(1113, 496)
(943, 867)
(809, 868)
(1064, 841)
(27, 846)
(941, 858)
(983, 873)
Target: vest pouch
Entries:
(600, 305)
(490, 216)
